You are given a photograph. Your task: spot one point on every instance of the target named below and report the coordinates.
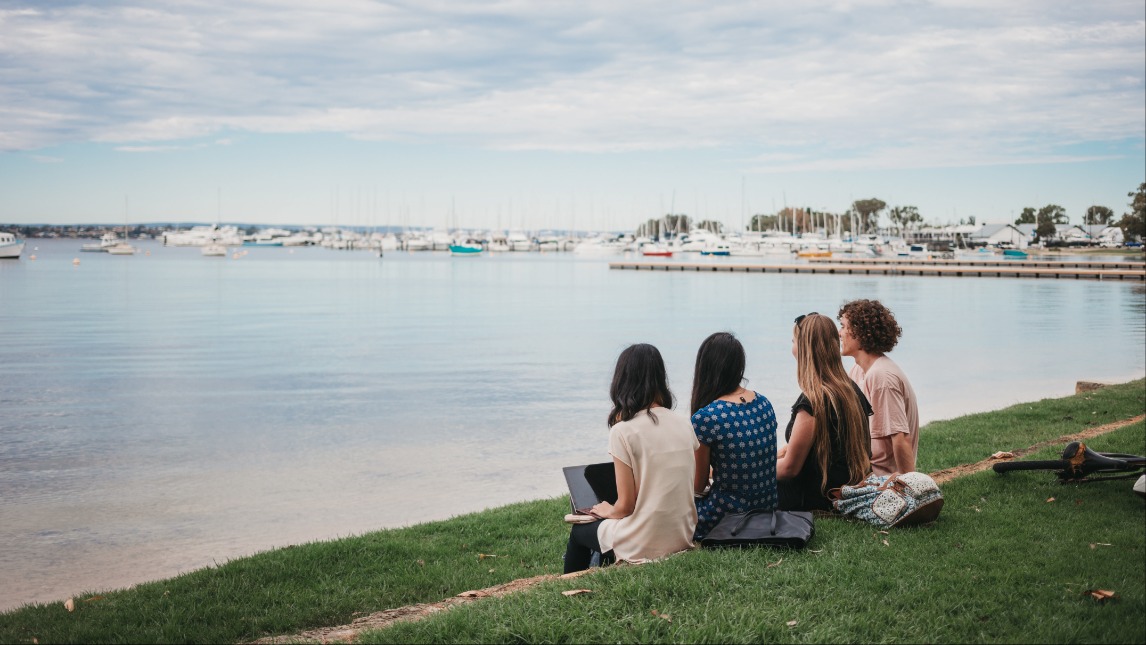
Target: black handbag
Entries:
(757, 527)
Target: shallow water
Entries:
(165, 411)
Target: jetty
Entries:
(1126, 271)
(1038, 264)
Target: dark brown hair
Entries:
(639, 383)
(719, 369)
(872, 324)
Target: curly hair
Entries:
(872, 324)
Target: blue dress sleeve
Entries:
(704, 425)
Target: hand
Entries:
(602, 509)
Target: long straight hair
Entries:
(639, 383)
(719, 369)
(820, 373)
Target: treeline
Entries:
(863, 217)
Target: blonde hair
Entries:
(820, 373)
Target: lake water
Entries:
(166, 411)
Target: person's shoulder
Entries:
(802, 403)
(711, 410)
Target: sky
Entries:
(556, 115)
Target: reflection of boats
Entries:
(465, 250)
(1015, 254)
(215, 251)
(105, 242)
(10, 246)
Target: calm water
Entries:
(162, 412)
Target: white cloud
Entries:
(866, 82)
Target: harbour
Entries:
(861, 266)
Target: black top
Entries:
(803, 491)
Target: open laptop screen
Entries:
(591, 484)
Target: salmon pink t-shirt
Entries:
(894, 410)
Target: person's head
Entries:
(869, 326)
(639, 383)
(719, 369)
(821, 376)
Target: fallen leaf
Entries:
(884, 533)
(491, 570)
(792, 623)
(660, 615)
(1101, 594)
(35, 641)
(70, 604)
(977, 510)
(1003, 455)
(483, 556)
(885, 543)
(576, 592)
(421, 563)
(815, 550)
(1049, 500)
(473, 594)
(774, 564)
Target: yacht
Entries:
(518, 242)
(106, 241)
(10, 246)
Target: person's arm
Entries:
(902, 452)
(626, 494)
(792, 461)
(703, 457)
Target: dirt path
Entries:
(346, 633)
(947, 474)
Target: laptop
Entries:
(589, 485)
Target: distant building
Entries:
(1000, 235)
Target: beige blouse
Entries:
(661, 455)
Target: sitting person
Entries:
(828, 442)
(736, 428)
(652, 450)
(868, 331)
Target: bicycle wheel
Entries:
(1007, 466)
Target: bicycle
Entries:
(1078, 463)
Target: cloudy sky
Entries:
(564, 114)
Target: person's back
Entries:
(741, 439)
(894, 411)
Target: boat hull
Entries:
(11, 251)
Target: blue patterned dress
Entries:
(741, 438)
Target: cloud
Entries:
(868, 81)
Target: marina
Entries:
(1036, 264)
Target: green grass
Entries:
(996, 573)
(1001, 565)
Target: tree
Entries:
(868, 211)
(711, 226)
(1046, 219)
(1098, 215)
(1133, 223)
(903, 217)
(1027, 217)
(762, 222)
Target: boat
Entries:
(717, 248)
(105, 242)
(656, 251)
(10, 246)
(465, 250)
(1015, 254)
(813, 253)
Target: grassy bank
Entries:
(1002, 564)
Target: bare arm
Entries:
(901, 450)
(703, 468)
(792, 461)
(626, 494)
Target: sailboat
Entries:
(122, 248)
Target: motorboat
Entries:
(122, 248)
(106, 241)
(466, 250)
(656, 251)
(518, 242)
(717, 248)
(1015, 254)
(10, 246)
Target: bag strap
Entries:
(747, 516)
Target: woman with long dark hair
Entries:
(652, 451)
(736, 428)
(828, 442)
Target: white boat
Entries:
(518, 242)
(10, 246)
(106, 241)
